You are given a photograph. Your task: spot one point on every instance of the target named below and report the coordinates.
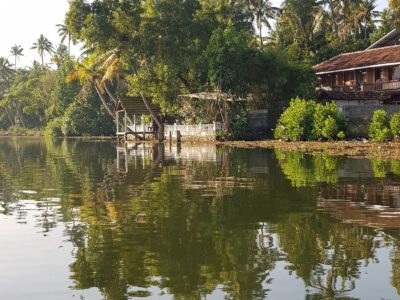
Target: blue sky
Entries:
(22, 22)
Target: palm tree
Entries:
(366, 13)
(59, 55)
(97, 70)
(5, 69)
(16, 51)
(43, 45)
(263, 11)
(64, 33)
(88, 72)
(333, 6)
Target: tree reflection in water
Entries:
(194, 220)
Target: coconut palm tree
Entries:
(43, 45)
(16, 51)
(263, 12)
(88, 72)
(366, 14)
(97, 70)
(59, 55)
(64, 33)
(333, 7)
(5, 69)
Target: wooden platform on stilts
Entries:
(130, 118)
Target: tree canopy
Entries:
(167, 48)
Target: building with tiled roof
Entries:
(371, 76)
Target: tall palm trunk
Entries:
(114, 99)
(103, 100)
(153, 115)
(9, 116)
(365, 28)
(19, 115)
(261, 39)
(110, 94)
(69, 44)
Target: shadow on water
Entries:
(193, 222)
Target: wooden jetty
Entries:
(131, 122)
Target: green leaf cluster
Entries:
(395, 125)
(308, 120)
(379, 128)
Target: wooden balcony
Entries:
(366, 87)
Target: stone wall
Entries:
(259, 124)
(358, 117)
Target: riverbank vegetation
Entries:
(161, 50)
(354, 148)
(308, 120)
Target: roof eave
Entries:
(383, 39)
(358, 68)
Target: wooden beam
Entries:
(143, 128)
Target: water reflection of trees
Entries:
(308, 170)
(189, 227)
(162, 233)
(351, 192)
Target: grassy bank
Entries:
(20, 131)
(360, 149)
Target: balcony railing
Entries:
(366, 87)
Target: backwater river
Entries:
(87, 220)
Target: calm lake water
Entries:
(88, 220)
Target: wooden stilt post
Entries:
(117, 120)
(143, 128)
(143, 156)
(135, 155)
(134, 123)
(125, 125)
(160, 131)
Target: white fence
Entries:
(200, 130)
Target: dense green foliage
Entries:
(379, 129)
(308, 120)
(395, 125)
(167, 48)
(41, 98)
(314, 30)
(382, 128)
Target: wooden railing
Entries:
(366, 87)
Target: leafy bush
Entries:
(53, 128)
(330, 129)
(341, 135)
(379, 130)
(327, 122)
(238, 124)
(395, 125)
(307, 120)
(296, 121)
(86, 119)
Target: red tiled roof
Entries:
(361, 59)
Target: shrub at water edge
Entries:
(307, 120)
(53, 128)
(296, 121)
(379, 130)
(395, 125)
